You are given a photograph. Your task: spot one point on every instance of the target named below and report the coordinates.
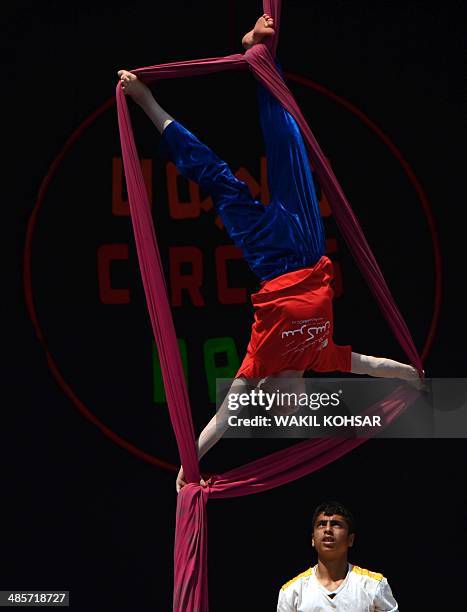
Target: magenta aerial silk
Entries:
(190, 557)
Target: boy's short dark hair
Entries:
(330, 508)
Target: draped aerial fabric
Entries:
(190, 558)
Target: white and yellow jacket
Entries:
(361, 591)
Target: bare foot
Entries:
(133, 87)
(263, 28)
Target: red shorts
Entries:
(293, 325)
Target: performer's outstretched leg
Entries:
(142, 95)
(289, 175)
(239, 211)
(287, 235)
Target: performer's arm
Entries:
(381, 367)
(216, 427)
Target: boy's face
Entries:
(331, 536)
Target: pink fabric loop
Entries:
(190, 590)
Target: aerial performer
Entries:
(282, 242)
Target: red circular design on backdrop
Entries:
(27, 275)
